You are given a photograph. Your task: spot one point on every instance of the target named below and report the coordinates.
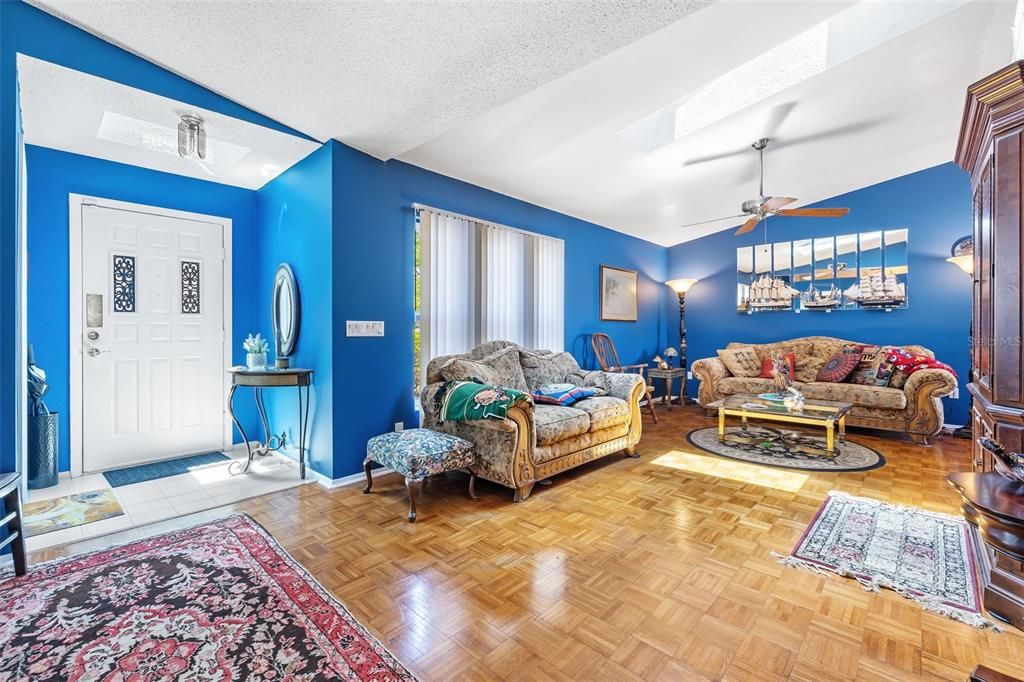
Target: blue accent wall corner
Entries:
(935, 204)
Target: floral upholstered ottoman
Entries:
(416, 454)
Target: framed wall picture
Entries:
(618, 294)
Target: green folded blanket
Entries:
(467, 400)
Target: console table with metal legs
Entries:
(259, 379)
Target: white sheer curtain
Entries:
(547, 275)
(481, 282)
(502, 284)
(447, 295)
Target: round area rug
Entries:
(785, 448)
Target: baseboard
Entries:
(951, 427)
(331, 483)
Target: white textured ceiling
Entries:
(382, 76)
(892, 110)
(80, 113)
(529, 98)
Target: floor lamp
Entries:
(681, 286)
(962, 256)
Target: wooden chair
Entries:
(608, 358)
(11, 509)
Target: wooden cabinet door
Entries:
(1005, 301)
(982, 319)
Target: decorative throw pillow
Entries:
(768, 368)
(561, 394)
(867, 368)
(838, 367)
(461, 369)
(884, 370)
(510, 372)
(541, 368)
(741, 362)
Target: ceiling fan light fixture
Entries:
(191, 137)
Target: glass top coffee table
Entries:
(829, 415)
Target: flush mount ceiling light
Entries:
(191, 137)
(163, 139)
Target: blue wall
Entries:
(32, 32)
(52, 175)
(373, 266)
(294, 224)
(935, 204)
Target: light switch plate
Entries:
(364, 328)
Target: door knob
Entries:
(93, 352)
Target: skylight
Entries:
(850, 33)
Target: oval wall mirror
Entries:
(285, 313)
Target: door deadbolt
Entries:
(92, 336)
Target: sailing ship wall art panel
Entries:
(865, 271)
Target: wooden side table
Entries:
(995, 506)
(668, 375)
(10, 493)
(259, 379)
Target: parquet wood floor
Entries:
(651, 569)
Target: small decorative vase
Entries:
(256, 360)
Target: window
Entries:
(478, 281)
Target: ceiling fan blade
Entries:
(714, 220)
(715, 157)
(814, 212)
(775, 203)
(778, 114)
(748, 226)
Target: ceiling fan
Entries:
(762, 207)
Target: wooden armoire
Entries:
(991, 149)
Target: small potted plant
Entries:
(256, 349)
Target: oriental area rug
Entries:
(785, 448)
(925, 556)
(219, 601)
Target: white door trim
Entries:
(75, 204)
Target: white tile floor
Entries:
(203, 488)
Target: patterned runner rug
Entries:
(924, 556)
(219, 601)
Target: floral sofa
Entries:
(915, 409)
(538, 441)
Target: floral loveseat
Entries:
(538, 441)
(915, 409)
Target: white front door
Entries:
(152, 336)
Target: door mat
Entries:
(171, 467)
(68, 511)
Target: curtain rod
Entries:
(432, 209)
